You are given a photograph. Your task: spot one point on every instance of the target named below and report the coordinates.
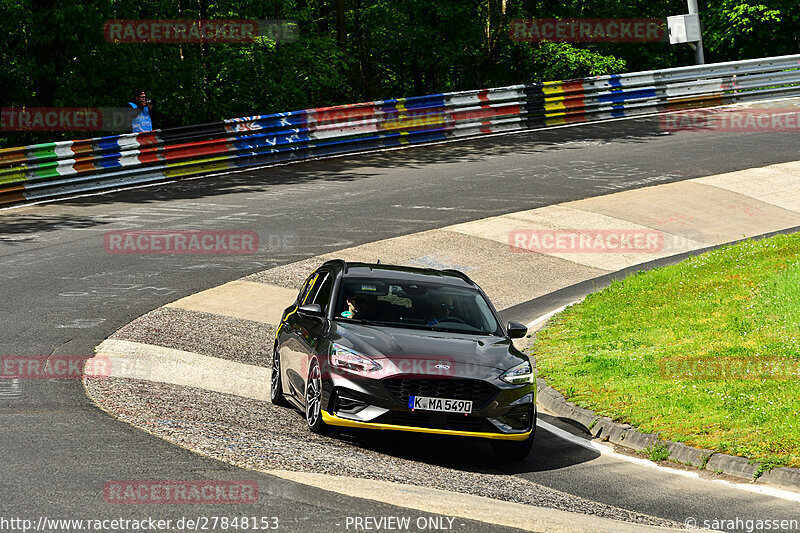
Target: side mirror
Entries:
(516, 330)
(311, 311)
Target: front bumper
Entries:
(506, 412)
(333, 420)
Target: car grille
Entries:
(437, 421)
(480, 392)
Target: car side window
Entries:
(323, 294)
(307, 286)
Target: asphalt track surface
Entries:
(63, 294)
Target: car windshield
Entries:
(416, 305)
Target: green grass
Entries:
(657, 452)
(644, 351)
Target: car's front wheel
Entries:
(514, 450)
(314, 398)
(276, 387)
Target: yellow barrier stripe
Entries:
(555, 121)
(14, 175)
(554, 106)
(413, 122)
(553, 87)
(186, 169)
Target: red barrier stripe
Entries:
(574, 103)
(213, 147)
(574, 117)
(12, 155)
(148, 138)
(572, 86)
(86, 165)
(342, 113)
(513, 109)
(82, 147)
(150, 155)
(12, 195)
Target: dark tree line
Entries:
(53, 53)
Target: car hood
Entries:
(417, 348)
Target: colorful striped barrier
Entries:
(52, 170)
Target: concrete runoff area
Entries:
(692, 215)
(695, 211)
(240, 299)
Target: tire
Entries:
(276, 387)
(514, 450)
(313, 399)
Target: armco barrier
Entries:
(58, 169)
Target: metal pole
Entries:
(698, 48)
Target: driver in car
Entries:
(440, 311)
(363, 306)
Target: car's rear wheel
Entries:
(314, 398)
(514, 450)
(276, 387)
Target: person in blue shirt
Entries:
(440, 310)
(141, 120)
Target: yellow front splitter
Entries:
(334, 420)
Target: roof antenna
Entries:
(379, 262)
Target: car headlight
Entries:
(519, 375)
(347, 359)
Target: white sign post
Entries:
(686, 29)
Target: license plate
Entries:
(443, 405)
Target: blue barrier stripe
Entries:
(108, 143)
(272, 122)
(337, 129)
(621, 96)
(109, 161)
(263, 141)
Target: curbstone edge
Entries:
(733, 466)
(681, 453)
(782, 477)
(605, 429)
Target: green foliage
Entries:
(742, 29)
(54, 53)
(658, 451)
